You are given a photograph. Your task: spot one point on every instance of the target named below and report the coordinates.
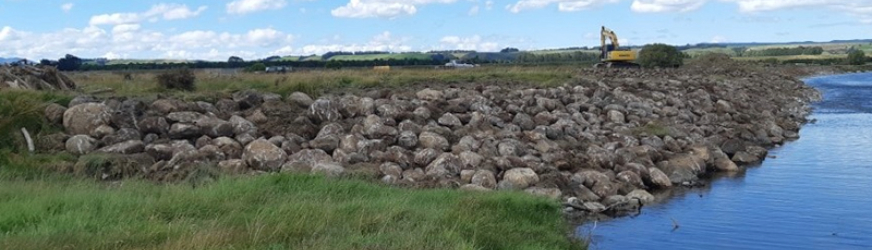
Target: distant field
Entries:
(129, 61)
(545, 52)
(401, 56)
(783, 58)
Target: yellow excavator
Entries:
(613, 56)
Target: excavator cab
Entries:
(613, 56)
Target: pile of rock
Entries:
(605, 141)
(34, 77)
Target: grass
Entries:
(265, 212)
(318, 82)
(25, 109)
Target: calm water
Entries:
(817, 193)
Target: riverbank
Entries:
(599, 141)
(802, 196)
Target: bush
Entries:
(182, 78)
(660, 55)
(857, 57)
(257, 67)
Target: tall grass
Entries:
(319, 82)
(270, 212)
(25, 109)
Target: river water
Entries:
(815, 194)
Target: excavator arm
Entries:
(613, 55)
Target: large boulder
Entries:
(330, 169)
(519, 178)
(54, 113)
(84, 118)
(263, 155)
(300, 99)
(81, 144)
(305, 160)
(324, 110)
(432, 140)
(446, 165)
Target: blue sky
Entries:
(217, 29)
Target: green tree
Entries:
(257, 67)
(333, 64)
(857, 57)
(660, 55)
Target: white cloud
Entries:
(173, 11)
(381, 42)
(860, 9)
(381, 8)
(8, 34)
(467, 43)
(67, 7)
(125, 28)
(666, 5)
(164, 11)
(719, 39)
(473, 11)
(241, 7)
(562, 5)
(489, 4)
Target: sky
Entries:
(252, 29)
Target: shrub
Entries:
(660, 55)
(257, 67)
(857, 57)
(182, 78)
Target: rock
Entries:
(166, 106)
(745, 158)
(231, 148)
(327, 143)
(102, 131)
(658, 178)
(390, 168)
(54, 113)
(413, 175)
(154, 125)
(423, 157)
(184, 117)
(305, 160)
(241, 126)
(722, 162)
(471, 159)
(124, 134)
(81, 144)
(184, 131)
(518, 178)
(407, 140)
(324, 110)
(484, 178)
(390, 179)
(226, 107)
(450, 120)
(432, 140)
(84, 118)
(300, 99)
(374, 128)
(466, 175)
(263, 155)
(330, 169)
(683, 168)
(616, 116)
(104, 166)
(429, 95)
(594, 207)
(524, 121)
(214, 127)
(631, 178)
(584, 193)
(446, 164)
(127, 147)
(233, 166)
(552, 193)
(80, 99)
(257, 117)
(642, 195)
(247, 98)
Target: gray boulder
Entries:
(263, 155)
(84, 118)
